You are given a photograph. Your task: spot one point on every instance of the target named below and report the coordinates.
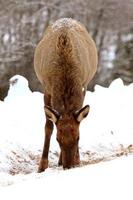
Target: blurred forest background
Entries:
(22, 23)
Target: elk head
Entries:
(67, 125)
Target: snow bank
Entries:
(108, 180)
(110, 118)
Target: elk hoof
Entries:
(43, 165)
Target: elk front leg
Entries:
(48, 132)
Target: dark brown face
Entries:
(68, 133)
(68, 137)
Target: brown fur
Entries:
(65, 62)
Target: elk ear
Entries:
(81, 114)
(52, 114)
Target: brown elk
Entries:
(65, 61)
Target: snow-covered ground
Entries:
(110, 180)
(106, 134)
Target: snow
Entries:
(64, 22)
(110, 180)
(18, 85)
(6, 37)
(109, 56)
(105, 135)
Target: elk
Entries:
(65, 61)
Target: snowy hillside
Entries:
(106, 134)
